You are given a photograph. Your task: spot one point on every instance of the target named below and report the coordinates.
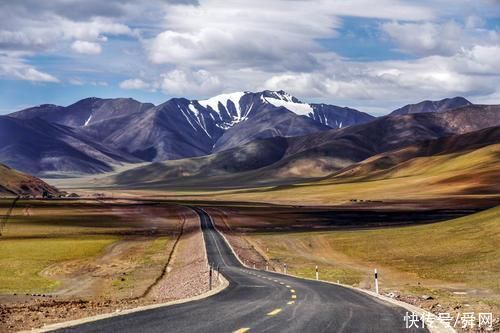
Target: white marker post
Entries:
(317, 273)
(253, 265)
(284, 268)
(376, 281)
(267, 266)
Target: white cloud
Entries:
(137, 84)
(84, 47)
(213, 46)
(445, 38)
(426, 38)
(15, 68)
(182, 82)
(278, 36)
(179, 82)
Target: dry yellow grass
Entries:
(460, 254)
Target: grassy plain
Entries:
(454, 261)
(82, 248)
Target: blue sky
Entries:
(375, 58)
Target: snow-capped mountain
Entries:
(239, 106)
(181, 128)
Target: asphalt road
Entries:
(258, 301)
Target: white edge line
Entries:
(409, 307)
(66, 324)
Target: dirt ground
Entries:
(176, 269)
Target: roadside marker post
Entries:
(253, 265)
(210, 279)
(284, 268)
(267, 266)
(376, 281)
(317, 273)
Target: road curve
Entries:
(258, 301)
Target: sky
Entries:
(371, 55)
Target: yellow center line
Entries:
(274, 312)
(242, 330)
(294, 296)
(291, 302)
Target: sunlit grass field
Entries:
(22, 260)
(463, 253)
(79, 233)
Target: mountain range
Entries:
(433, 106)
(278, 160)
(240, 138)
(94, 135)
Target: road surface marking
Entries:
(294, 296)
(275, 280)
(242, 330)
(288, 286)
(281, 283)
(215, 241)
(274, 312)
(292, 291)
(291, 302)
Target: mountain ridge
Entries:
(442, 105)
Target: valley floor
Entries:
(66, 259)
(63, 260)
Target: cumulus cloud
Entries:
(179, 82)
(426, 38)
(445, 38)
(15, 68)
(280, 35)
(427, 77)
(84, 47)
(199, 82)
(199, 48)
(136, 84)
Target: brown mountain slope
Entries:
(13, 182)
(448, 145)
(288, 160)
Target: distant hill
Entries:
(85, 112)
(37, 147)
(388, 162)
(96, 135)
(283, 160)
(13, 182)
(443, 105)
(124, 130)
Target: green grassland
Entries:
(462, 253)
(79, 232)
(22, 260)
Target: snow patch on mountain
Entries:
(88, 121)
(224, 100)
(302, 109)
